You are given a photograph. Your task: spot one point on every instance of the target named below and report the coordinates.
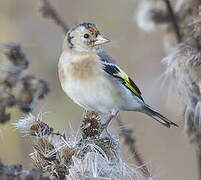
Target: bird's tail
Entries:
(157, 116)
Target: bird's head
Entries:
(85, 37)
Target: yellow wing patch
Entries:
(128, 83)
(116, 72)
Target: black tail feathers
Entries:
(157, 116)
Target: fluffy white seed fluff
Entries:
(25, 123)
(183, 69)
(96, 166)
(143, 17)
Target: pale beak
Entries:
(100, 39)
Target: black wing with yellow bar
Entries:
(116, 72)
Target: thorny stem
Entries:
(174, 20)
(48, 11)
(60, 135)
(129, 140)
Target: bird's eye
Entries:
(86, 36)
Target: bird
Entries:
(93, 79)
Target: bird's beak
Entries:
(100, 39)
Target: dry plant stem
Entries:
(48, 11)
(59, 134)
(129, 140)
(174, 20)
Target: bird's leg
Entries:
(112, 115)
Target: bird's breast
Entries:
(83, 70)
(80, 71)
(78, 76)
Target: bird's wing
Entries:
(115, 71)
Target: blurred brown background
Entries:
(167, 151)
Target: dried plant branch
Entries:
(130, 141)
(174, 20)
(47, 11)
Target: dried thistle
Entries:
(171, 16)
(15, 55)
(66, 154)
(48, 158)
(61, 171)
(32, 90)
(45, 148)
(151, 14)
(110, 146)
(17, 87)
(39, 162)
(33, 126)
(183, 68)
(91, 125)
(95, 155)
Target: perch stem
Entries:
(130, 141)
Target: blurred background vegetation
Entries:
(167, 151)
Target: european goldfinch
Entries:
(92, 79)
